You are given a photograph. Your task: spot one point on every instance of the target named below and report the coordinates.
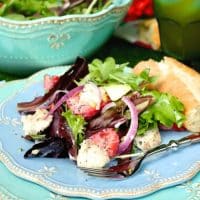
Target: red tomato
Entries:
(107, 139)
(149, 11)
(176, 128)
(77, 108)
(50, 81)
(139, 8)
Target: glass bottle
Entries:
(179, 26)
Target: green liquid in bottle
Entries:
(179, 25)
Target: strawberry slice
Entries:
(107, 139)
(50, 81)
(78, 108)
(88, 102)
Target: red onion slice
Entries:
(128, 138)
(51, 100)
(65, 97)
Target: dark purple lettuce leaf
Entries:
(76, 72)
(66, 82)
(59, 128)
(51, 147)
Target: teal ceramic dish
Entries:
(28, 46)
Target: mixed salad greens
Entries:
(98, 110)
(32, 9)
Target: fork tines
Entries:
(101, 172)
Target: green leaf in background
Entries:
(31, 9)
(28, 9)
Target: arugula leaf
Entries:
(167, 110)
(77, 125)
(136, 82)
(109, 72)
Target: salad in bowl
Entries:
(34, 9)
(94, 112)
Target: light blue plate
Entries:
(61, 175)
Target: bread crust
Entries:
(179, 80)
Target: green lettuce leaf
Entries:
(77, 125)
(167, 110)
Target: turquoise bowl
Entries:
(28, 46)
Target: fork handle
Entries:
(175, 144)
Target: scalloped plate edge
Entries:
(91, 193)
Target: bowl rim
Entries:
(66, 18)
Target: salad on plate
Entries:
(94, 112)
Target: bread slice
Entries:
(179, 80)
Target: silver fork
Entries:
(127, 168)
